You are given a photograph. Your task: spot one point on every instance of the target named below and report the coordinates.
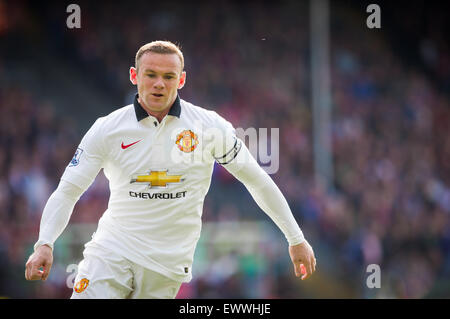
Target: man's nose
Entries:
(159, 83)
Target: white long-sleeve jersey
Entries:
(159, 175)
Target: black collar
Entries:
(141, 114)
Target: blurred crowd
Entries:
(390, 204)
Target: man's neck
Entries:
(159, 115)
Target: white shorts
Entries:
(102, 274)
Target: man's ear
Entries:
(133, 75)
(182, 80)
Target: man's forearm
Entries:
(270, 199)
(57, 212)
(266, 194)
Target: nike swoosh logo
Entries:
(127, 146)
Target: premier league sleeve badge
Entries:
(76, 157)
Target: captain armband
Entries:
(231, 154)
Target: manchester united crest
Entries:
(187, 141)
(81, 285)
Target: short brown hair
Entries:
(161, 47)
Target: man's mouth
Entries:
(157, 94)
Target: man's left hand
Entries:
(303, 254)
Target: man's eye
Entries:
(151, 75)
(168, 77)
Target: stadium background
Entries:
(250, 62)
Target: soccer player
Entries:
(158, 155)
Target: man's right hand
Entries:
(41, 258)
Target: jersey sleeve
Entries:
(266, 194)
(57, 212)
(226, 144)
(88, 159)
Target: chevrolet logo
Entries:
(157, 179)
